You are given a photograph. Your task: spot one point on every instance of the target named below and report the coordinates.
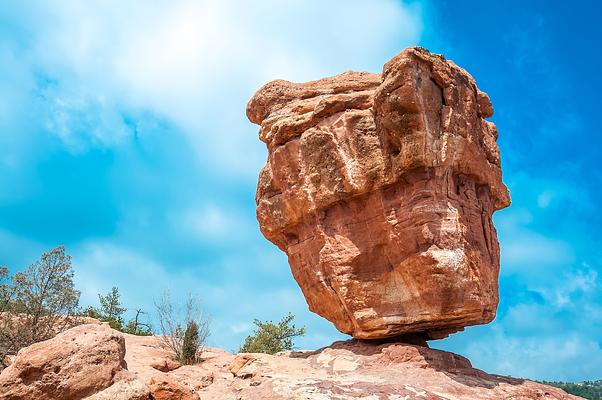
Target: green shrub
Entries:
(190, 345)
(136, 327)
(591, 390)
(272, 338)
(38, 303)
(111, 311)
(182, 330)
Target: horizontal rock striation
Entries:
(380, 189)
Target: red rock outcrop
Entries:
(67, 368)
(380, 189)
(165, 387)
(344, 370)
(71, 366)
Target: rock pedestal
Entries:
(380, 189)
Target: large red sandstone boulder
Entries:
(71, 366)
(380, 189)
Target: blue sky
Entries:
(123, 136)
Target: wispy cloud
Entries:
(196, 63)
(568, 356)
(548, 323)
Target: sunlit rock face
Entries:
(380, 189)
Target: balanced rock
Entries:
(380, 189)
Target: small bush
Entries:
(136, 327)
(591, 390)
(190, 346)
(111, 311)
(184, 331)
(272, 338)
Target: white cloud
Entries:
(524, 250)
(242, 327)
(545, 198)
(563, 356)
(211, 223)
(532, 253)
(197, 63)
(574, 284)
(81, 121)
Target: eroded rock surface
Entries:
(165, 387)
(380, 189)
(127, 389)
(343, 371)
(71, 366)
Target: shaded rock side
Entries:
(380, 188)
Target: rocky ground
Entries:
(95, 362)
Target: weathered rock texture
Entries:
(380, 189)
(343, 371)
(166, 387)
(71, 366)
(127, 389)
